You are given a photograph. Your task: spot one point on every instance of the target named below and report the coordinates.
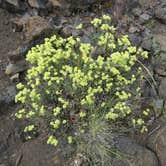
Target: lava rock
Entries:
(147, 44)
(55, 3)
(12, 69)
(161, 39)
(157, 142)
(82, 4)
(133, 29)
(39, 4)
(3, 147)
(134, 154)
(14, 5)
(160, 14)
(7, 95)
(135, 39)
(144, 17)
(137, 12)
(162, 88)
(37, 27)
(67, 31)
(30, 154)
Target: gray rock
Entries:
(133, 154)
(147, 3)
(15, 3)
(147, 44)
(4, 160)
(161, 39)
(36, 27)
(162, 88)
(83, 3)
(15, 78)
(160, 13)
(3, 165)
(55, 3)
(163, 57)
(134, 29)
(137, 11)
(157, 142)
(39, 4)
(15, 68)
(7, 94)
(3, 147)
(135, 39)
(144, 17)
(160, 70)
(67, 31)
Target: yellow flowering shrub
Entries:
(69, 80)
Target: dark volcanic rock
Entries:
(37, 3)
(35, 27)
(15, 68)
(157, 142)
(81, 4)
(134, 154)
(160, 13)
(7, 95)
(14, 5)
(162, 88)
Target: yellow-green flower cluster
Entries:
(69, 79)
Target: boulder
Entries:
(14, 5)
(162, 88)
(82, 4)
(12, 69)
(30, 151)
(160, 13)
(36, 27)
(133, 154)
(161, 39)
(7, 94)
(157, 142)
(39, 4)
(144, 17)
(55, 3)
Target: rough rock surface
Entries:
(37, 3)
(30, 154)
(162, 88)
(134, 154)
(161, 39)
(157, 142)
(35, 27)
(160, 12)
(7, 95)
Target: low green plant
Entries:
(69, 81)
(96, 144)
